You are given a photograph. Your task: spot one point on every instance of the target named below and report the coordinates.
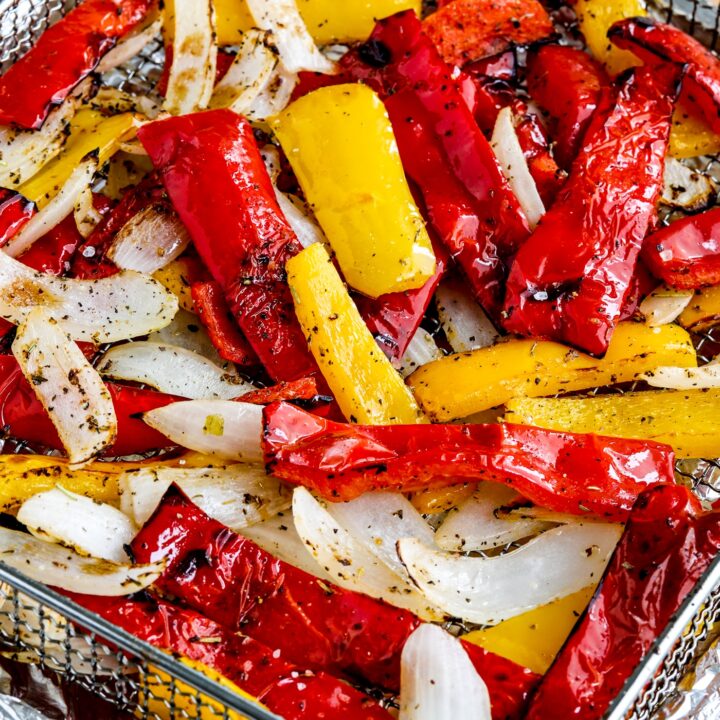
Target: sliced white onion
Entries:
(249, 74)
(294, 43)
(89, 527)
(186, 331)
(664, 305)
(489, 590)
(118, 101)
(465, 323)
(475, 526)
(349, 562)
(70, 389)
(421, 350)
(222, 428)
(122, 306)
(87, 217)
(686, 188)
(279, 537)
(514, 166)
(56, 210)
(192, 73)
(130, 46)
(173, 370)
(275, 95)
(61, 567)
(150, 240)
(236, 496)
(438, 680)
(676, 378)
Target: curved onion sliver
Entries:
(130, 46)
(465, 323)
(700, 378)
(664, 305)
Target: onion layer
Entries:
(707, 376)
(685, 188)
(664, 305)
(465, 323)
(130, 46)
(421, 350)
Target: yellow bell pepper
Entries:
(595, 18)
(327, 20)
(534, 638)
(89, 131)
(703, 311)
(340, 143)
(159, 694)
(691, 136)
(459, 385)
(689, 420)
(366, 386)
(174, 277)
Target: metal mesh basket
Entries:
(40, 625)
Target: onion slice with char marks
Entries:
(465, 323)
(63, 568)
(70, 389)
(664, 305)
(489, 590)
(130, 45)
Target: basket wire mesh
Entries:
(42, 626)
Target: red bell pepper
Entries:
(467, 199)
(303, 389)
(568, 282)
(53, 252)
(23, 417)
(654, 42)
(642, 284)
(285, 689)
(503, 66)
(565, 472)
(466, 30)
(667, 545)
(215, 315)
(216, 178)
(311, 623)
(65, 54)
(686, 253)
(566, 83)
(15, 211)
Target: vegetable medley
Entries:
(316, 326)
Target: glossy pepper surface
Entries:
(562, 471)
(284, 688)
(566, 83)
(569, 281)
(686, 253)
(217, 181)
(310, 623)
(467, 199)
(667, 545)
(63, 55)
(15, 211)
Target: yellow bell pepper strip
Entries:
(691, 135)
(459, 385)
(340, 144)
(89, 131)
(595, 17)
(366, 386)
(703, 311)
(326, 20)
(534, 638)
(177, 277)
(689, 420)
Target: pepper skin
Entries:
(303, 389)
(467, 199)
(63, 56)
(252, 666)
(656, 42)
(667, 545)
(565, 472)
(217, 181)
(568, 282)
(52, 253)
(15, 211)
(466, 30)
(311, 623)
(566, 83)
(215, 315)
(686, 253)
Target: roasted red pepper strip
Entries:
(216, 178)
(23, 417)
(53, 252)
(15, 211)
(568, 282)
(466, 30)
(303, 389)
(667, 545)
(498, 67)
(215, 315)
(284, 688)
(63, 56)
(654, 41)
(566, 83)
(313, 624)
(566, 472)
(686, 253)
(467, 199)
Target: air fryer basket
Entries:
(39, 625)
